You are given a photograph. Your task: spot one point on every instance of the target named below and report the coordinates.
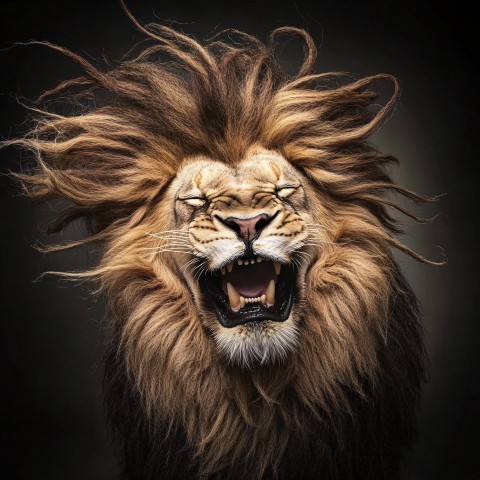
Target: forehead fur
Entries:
(201, 174)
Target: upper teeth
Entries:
(250, 261)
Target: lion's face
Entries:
(244, 230)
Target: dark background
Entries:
(52, 424)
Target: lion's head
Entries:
(247, 257)
(242, 235)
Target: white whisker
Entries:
(186, 244)
(322, 241)
(175, 251)
(171, 237)
(190, 263)
(170, 231)
(198, 271)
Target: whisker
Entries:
(172, 244)
(173, 239)
(159, 249)
(315, 225)
(198, 271)
(190, 263)
(185, 244)
(175, 251)
(170, 231)
(322, 241)
(296, 262)
(168, 235)
(179, 237)
(304, 255)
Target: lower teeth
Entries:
(243, 301)
(253, 300)
(238, 302)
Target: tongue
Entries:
(253, 289)
(250, 280)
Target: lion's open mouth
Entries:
(250, 290)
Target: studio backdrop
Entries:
(53, 425)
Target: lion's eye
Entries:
(285, 191)
(195, 201)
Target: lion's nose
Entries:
(248, 228)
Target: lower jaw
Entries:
(253, 314)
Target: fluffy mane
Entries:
(344, 404)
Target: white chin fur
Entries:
(257, 343)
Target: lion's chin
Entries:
(253, 300)
(254, 292)
(257, 343)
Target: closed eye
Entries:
(285, 191)
(194, 201)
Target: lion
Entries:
(259, 325)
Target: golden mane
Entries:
(113, 163)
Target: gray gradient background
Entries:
(52, 420)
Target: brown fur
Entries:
(114, 164)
